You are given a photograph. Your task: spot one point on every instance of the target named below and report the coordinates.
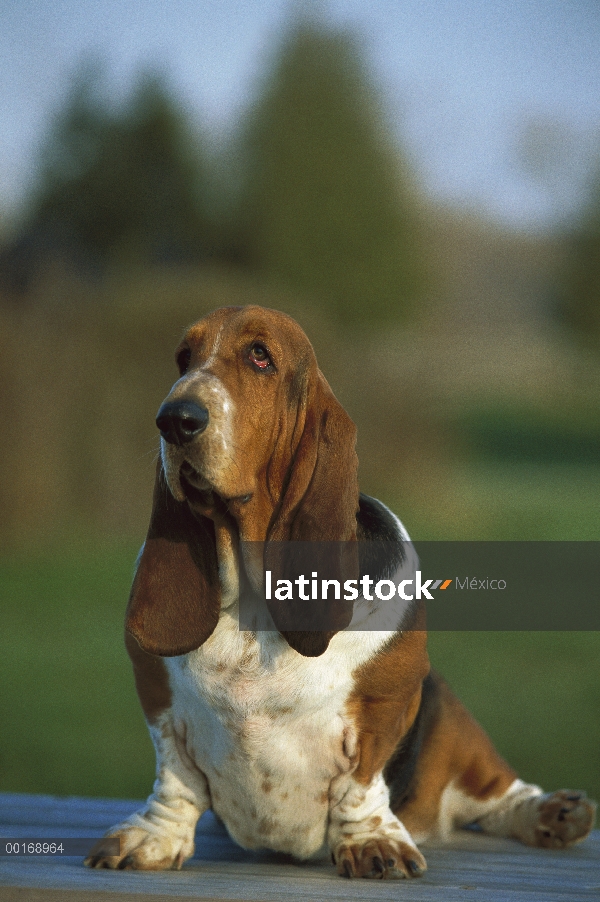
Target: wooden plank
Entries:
(472, 867)
(27, 894)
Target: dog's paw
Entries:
(378, 857)
(140, 850)
(564, 818)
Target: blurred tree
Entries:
(129, 181)
(581, 276)
(325, 200)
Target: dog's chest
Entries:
(269, 730)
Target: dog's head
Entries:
(255, 449)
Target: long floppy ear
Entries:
(175, 598)
(317, 518)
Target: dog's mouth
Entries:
(195, 487)
(200, 493)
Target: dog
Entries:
(333, 738)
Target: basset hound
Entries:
(334, 740)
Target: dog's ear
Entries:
(175, 598)
(318, 517)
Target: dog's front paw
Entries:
(564, 818)
(140, 850)
(379, 857)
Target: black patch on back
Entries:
(382, 550)
(381, 547)
(399, 771)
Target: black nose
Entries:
(181, 421)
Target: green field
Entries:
(485, 501)
(71, 723)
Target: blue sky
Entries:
(497, 102)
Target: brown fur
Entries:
(151, 679)
(386, 699)
(455, 749)
(295, 478)
(175, 597)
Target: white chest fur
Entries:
(268, 729)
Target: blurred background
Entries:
(418, 183)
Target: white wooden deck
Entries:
(474, 867)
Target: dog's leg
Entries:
(553, 820)
(161, 834)
(460, 779)
(365, 838)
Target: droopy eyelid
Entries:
(270, 367)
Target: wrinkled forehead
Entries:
(229, 328)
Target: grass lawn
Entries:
(71, 722)
(71, 719)
(504, 501)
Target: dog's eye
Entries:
(259, 356)
(183, 360)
